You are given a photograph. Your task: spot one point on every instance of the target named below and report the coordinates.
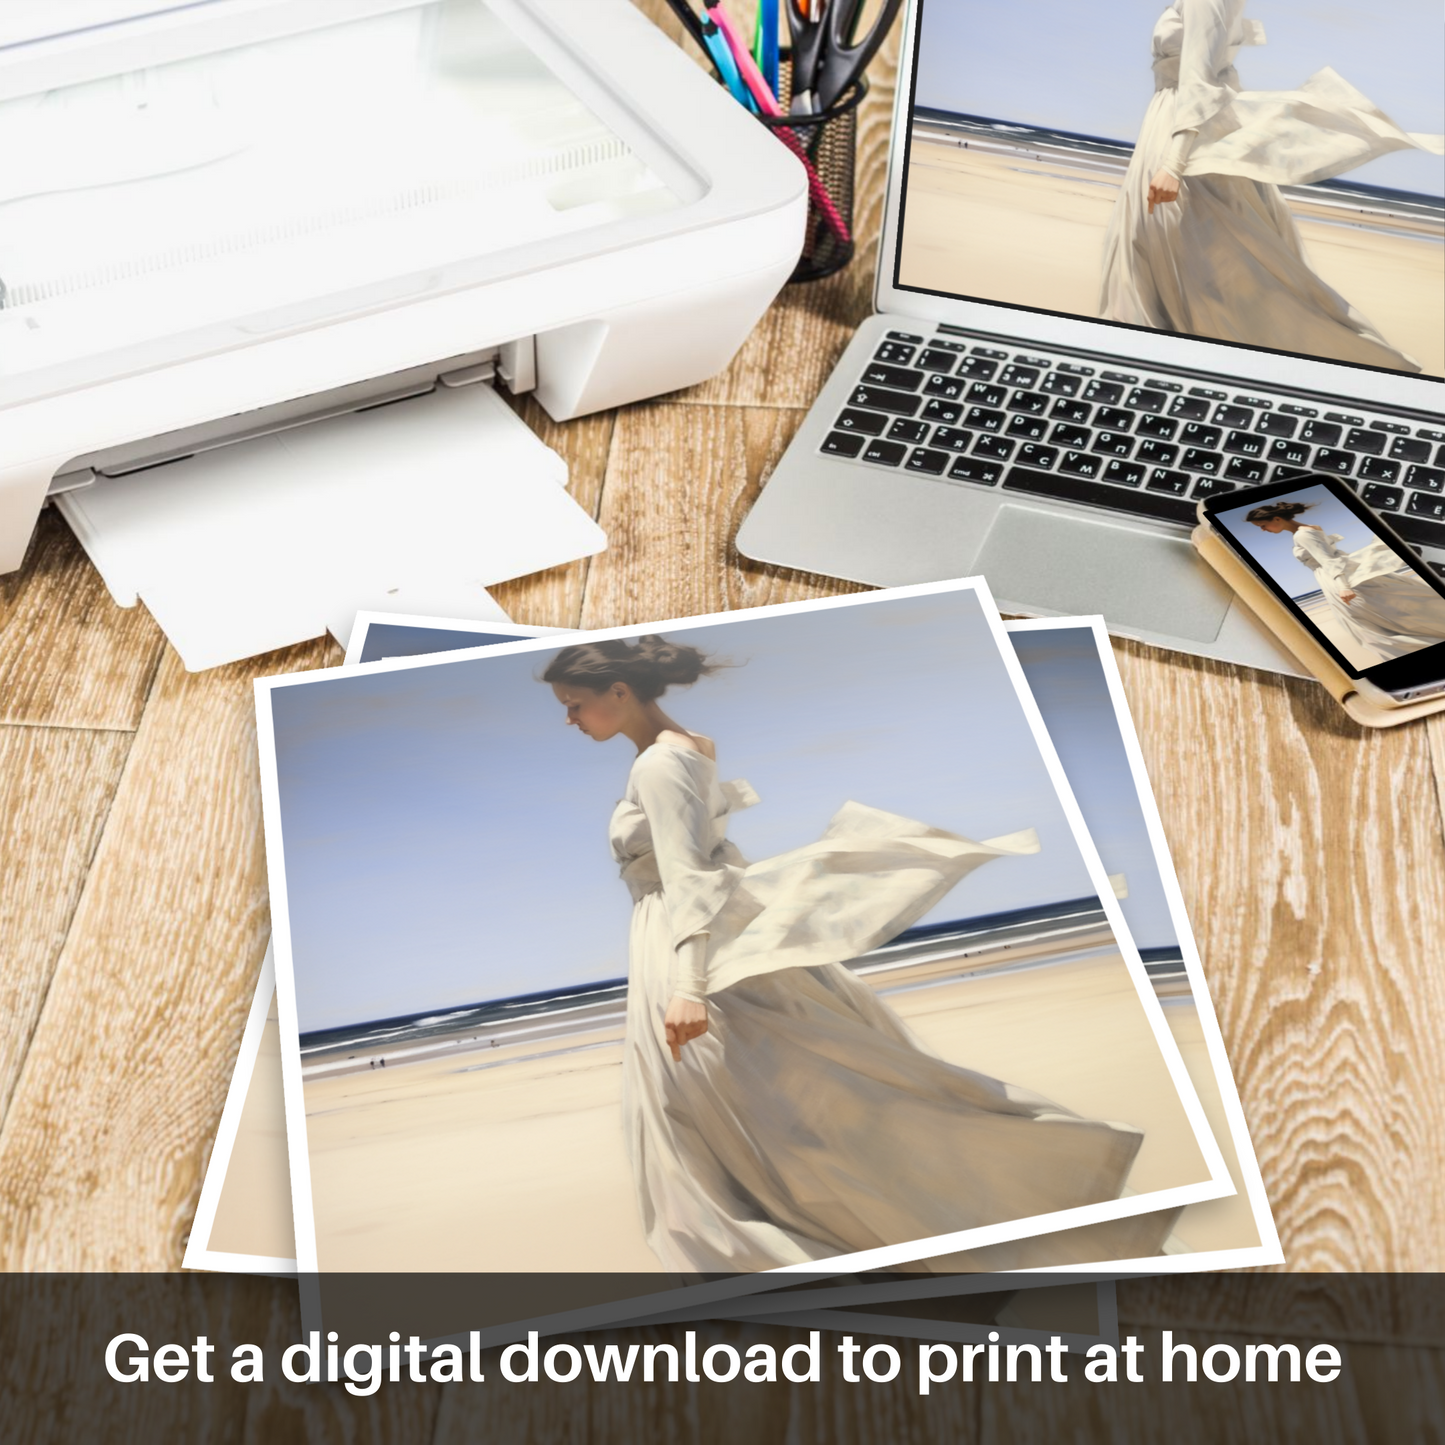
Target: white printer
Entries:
(234, 225)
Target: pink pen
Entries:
(768, 105)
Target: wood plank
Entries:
(69, 657)
(102, 1150)
(679, 482)
(1311, 859)
(554, 598)
(56, 786)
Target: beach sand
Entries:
(1012, 228)
(507, 1160)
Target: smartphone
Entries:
(1357, 588)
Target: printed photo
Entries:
(1265, 173)
(1349, 583)
(511, 1058)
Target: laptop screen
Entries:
(1256, 172)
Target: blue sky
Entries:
(1085, 68)
(445, 834)
(1275, 550)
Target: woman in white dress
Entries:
(776, 1111)
(1383, 605)
(1201, 240)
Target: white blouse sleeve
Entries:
(1204, 59)
(672, 791)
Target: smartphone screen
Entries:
(1368, 600)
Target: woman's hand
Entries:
(1348, 596)
(1163, 189)
(685, 1020)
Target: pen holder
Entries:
(826, 142)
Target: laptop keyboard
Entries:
(1143, 445)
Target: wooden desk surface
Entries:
(133, 911)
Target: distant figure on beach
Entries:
(1201, 240)
(776, 1111)
(1383, 605)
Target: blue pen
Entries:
(727, 67)
(768, 30)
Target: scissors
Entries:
(827, 54)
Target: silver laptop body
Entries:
(890, 484)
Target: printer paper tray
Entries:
(416, 507)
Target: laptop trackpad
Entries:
(1072, 565)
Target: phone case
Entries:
(1263, 603)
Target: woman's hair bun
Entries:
(649, 667)
(1271, 510)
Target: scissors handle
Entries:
(842, 57)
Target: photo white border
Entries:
(1217, 1185)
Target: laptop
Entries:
(1031, 400)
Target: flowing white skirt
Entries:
(1394, 611)
(808, 1123)
(1223, 261)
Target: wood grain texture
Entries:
(56, 786)
(102, 1149)
(680, 480)
(1311, 859)
(69, 657)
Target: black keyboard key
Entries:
(1418, 530)
(1038, 361)
(1112, 444)
(1127, 377)
(1430, 434)
(1422, 504)
(1211, 487)
(1156, 454)
(1019, 376)
(1372, 443)
(1124, 474)
(928, 461)
(877, 398)
(1344, 418)
(867, 422)
(1255, 401)
(877, 374)
(1406, 449)
(1156, 426)
(1074, 488)
(1031, 427)
(953, 438)
(895, 353)
(977, 368)
(1272, 424)
(1329, 459)
(843, 444)
(1245, 469)
(985, 395)
(1070, 436)
(1208, 394)
(1244, 444)
(1162, 385)
(1163, 480)
(984, 419)
(886, 454)
(1060, 383)
(1233, 415)
(932, 359)
(1427, 479)
(957, 347)
(1113, 418)
(1033, 456)
(936, 409)
(989, 352)
(1195, 435)
(950, 388)
(905, 429)
(905, 336)
(971, 469)
(1320, 433)
(1144, 398)
(1377, 469)
(1076, 411)
(995, 447)
(1440, 457)
(1199, 460)
(1081, 464)
(1290, 474)
(1292, 454)
(1106, 391)
(1382, 499)
(1297, 410)
(1035, 403)
(1394, 427)
(1190, 408)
